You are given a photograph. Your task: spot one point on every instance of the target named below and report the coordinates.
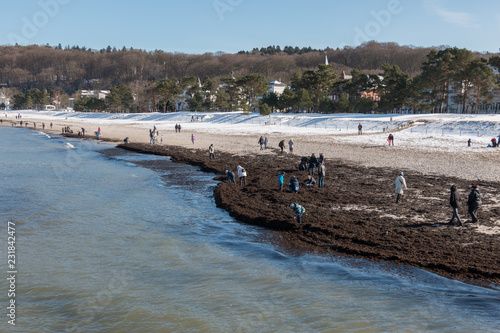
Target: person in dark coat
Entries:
(282, 145)
(474, 202)
(293, 186)
(230, 176)
(261, 143)
(454, 203)
(313, 162)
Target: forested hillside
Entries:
(77, 68)
(383, 77)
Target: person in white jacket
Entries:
(400, 186)
(242, 175)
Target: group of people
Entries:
(242, 176)
(263, 141)
(153, 135)
(177, 128)
(281, 145)
(473, 201)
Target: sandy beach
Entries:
(473, 165)
(355, 214)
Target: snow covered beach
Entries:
(425, 143)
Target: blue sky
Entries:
(229, 26)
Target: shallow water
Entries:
(112, 241)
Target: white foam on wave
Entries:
(43, 133)
(69, 146)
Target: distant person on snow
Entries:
(293, 185)
(360, 129)
(230, 176)
(298, 211)
(469, 142)
(242, 175)
(290, 145)
(400, 186)
(192, 138)
(494, 142)
(265, 142)
(474, 202)
(454, 203)
(391, 139)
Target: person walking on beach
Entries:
(179, 127)
(265, 142)
(321, 175)
(391, 139)
(211, 152)
(43, 125)
(242, 175)
(360, 129)
(290, 146)
(474, 202)
(281, 180)
(469, 142)
(192, 138)
(312, 164)
(230, 176)
(293, 185)
(282, 145)
(454, 203)
(400, 186)
(298, 211)
(151, 137)
(261, 143)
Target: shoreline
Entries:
(352, 215)
(347, 227)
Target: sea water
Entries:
(113, 241)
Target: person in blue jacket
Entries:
(281, 180)
(298, 211)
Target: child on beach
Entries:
(192, 138)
